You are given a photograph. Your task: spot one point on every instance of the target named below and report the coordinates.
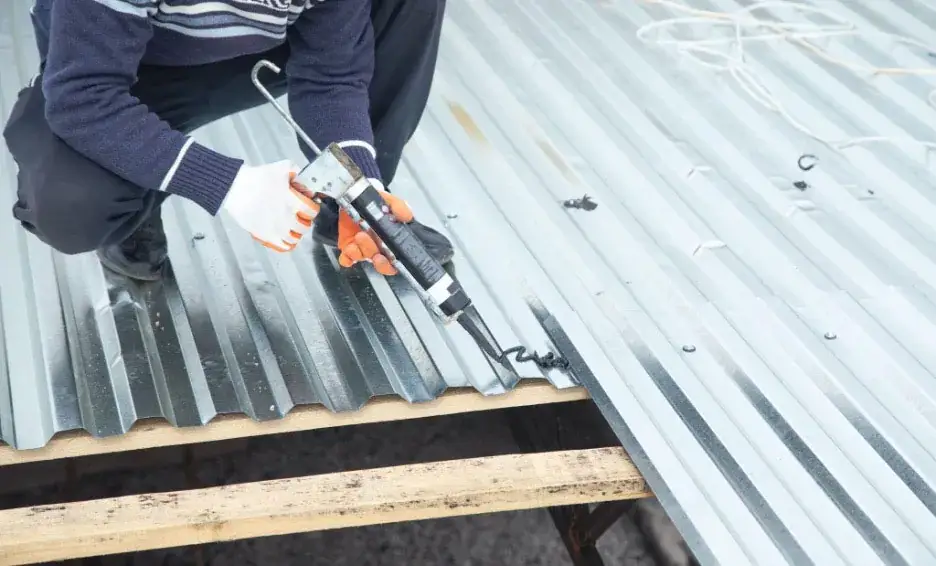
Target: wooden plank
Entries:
(160, 433)
(313, 503)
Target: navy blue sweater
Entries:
(94, 48)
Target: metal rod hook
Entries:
(254, 76)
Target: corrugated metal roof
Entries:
(763, 351)
(237, 329)
(758, 335)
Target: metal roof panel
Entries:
(758, 335)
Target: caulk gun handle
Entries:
(409, 250)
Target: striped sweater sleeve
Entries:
(329, 70)
(95, 49)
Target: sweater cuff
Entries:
(204, 177)
(363, 159)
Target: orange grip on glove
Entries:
(357, 245)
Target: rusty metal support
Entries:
(567, 519)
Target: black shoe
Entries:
(325, 231)
(143, 255)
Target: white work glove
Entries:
(264, 202)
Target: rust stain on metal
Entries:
(467, 122)
(557, 160)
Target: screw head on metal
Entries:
(830, 336)
(452, 215)
(689, 348)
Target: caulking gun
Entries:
(333, 173)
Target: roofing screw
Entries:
(452, 215)
(199, 236)
(688, 348)
(830, 336)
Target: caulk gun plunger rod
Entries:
(254, 76)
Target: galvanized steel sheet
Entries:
(751, 302)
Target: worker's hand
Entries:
(265, 202)
(357, 245)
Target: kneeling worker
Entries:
(100, 137)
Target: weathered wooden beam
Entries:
(312, 503)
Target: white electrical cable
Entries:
(747, 28)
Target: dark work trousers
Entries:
(76, 206)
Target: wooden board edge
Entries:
(313, 503)
(153, 434)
